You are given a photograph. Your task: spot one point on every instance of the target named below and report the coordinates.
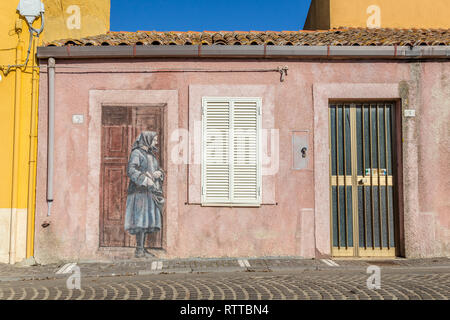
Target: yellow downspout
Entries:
(15, 163)
(31, 202)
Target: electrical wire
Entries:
(85, 70)
(32, 34)
(38, 32)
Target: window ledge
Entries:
(232, 205)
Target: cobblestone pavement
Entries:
(326, 284)
(186, 266)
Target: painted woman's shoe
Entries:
(143, 253)
(148, 253)
(140, 253)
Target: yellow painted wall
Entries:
(379, 13)
(318, 16)
(18, 109)
(75, 18)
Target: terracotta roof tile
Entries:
(335, 37)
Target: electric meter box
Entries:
(31, 9)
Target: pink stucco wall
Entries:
(294, 218)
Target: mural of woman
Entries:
(145, 200)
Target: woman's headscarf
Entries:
(145, 140)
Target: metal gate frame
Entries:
(354, 180)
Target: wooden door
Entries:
(120, 128)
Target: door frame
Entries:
(163, 108)
(173, 169)
(397, 171)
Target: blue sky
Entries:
(212, 15)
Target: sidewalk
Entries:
(202, 265)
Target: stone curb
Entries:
(44, 276)
(53, 276)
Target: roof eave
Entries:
(243, 51)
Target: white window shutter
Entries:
(216, 162)
(231, 152)
(245, 157)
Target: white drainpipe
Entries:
(51, 131)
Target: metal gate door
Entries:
(362, 179)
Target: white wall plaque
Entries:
(410, 113)
(77, 118)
